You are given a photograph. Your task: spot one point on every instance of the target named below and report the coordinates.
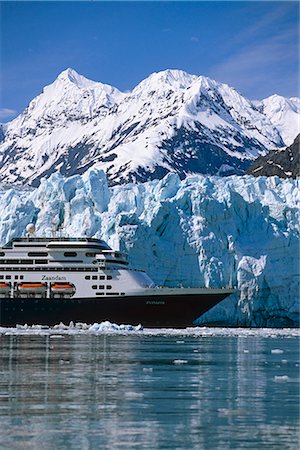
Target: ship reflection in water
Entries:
(149, 391)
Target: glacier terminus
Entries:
(205, 231)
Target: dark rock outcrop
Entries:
(283, 163)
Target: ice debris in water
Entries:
(61, 329)
(110, 328)
(281, 378)
(276, 351)
(107, 326)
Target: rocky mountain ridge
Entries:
(285, 163)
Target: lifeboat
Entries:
(34, 288)
(63, 288)
(4, 289)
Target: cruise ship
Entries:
(47, 281)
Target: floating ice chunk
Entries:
(109, 327)
(131, 395)
(61, 326)
(147, 369)
(82, 326)
(180, 361)
(276, 351)
(281, 378)
(232, 412)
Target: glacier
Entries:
(201, 231)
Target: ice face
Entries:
(203, 231)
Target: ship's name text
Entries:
(155, 302)
(54, 278)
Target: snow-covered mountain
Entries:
(202, 231)
(171, 122)
(284, 113)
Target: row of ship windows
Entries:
(101, 286)
(36, 261)
(49, 269)
(8, 277)
(66, 254)
(22, 261)
(101, 277)
(110, 293)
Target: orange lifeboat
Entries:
(4, 288)
(32, 287)
(62, 288)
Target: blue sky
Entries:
(252, 46)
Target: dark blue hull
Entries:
(150, 311)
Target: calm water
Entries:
(144, 390)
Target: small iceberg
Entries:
(111, 327)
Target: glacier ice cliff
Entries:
(202, 231)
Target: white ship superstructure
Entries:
(88, 266)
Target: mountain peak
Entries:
(170, 78)
(275, 99)
(284, 114)
(71, 76)
(174, 76)
(69, 73)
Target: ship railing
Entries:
(114, 256)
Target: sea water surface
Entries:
(106, 387)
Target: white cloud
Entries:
(6, 113)
(262, 64)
